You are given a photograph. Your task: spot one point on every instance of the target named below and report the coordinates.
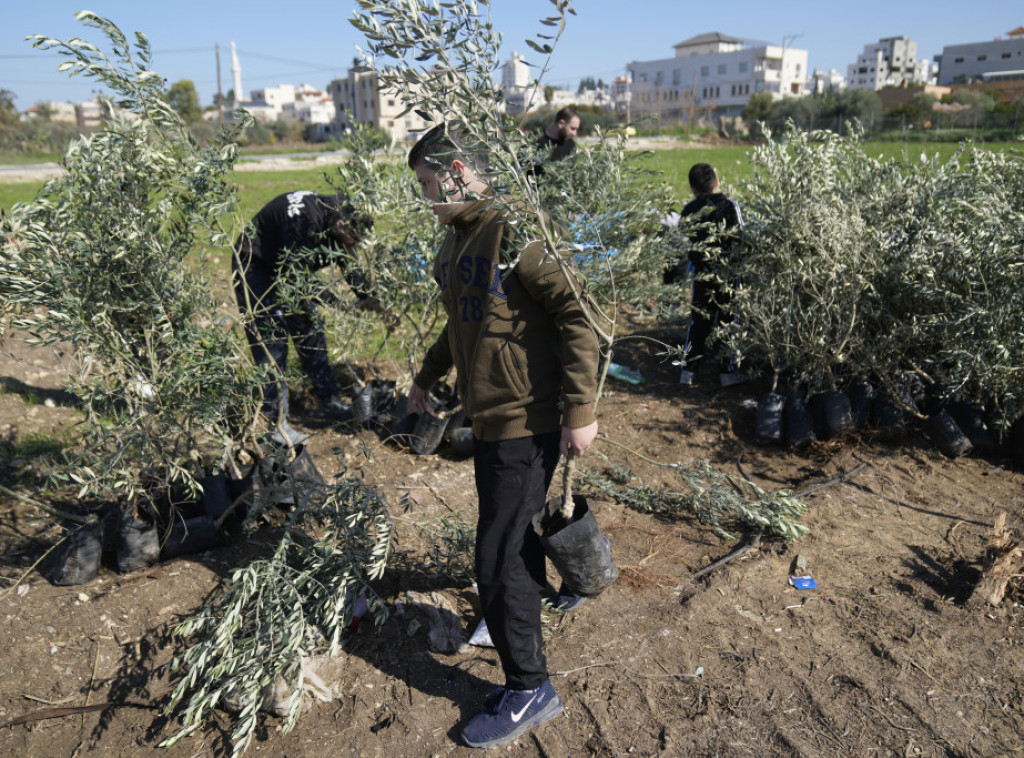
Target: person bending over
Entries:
(321, 226)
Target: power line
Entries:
(290, 61)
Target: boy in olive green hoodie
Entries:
(527, 364)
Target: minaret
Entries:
(236, 75)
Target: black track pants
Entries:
(268, 334)
(512, 479)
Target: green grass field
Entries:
(732, 163)
(10, 158)
(255, 188)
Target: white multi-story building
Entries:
(516, 73)
(716, 74)
(600, 98)
(275, 97)
(890, 62)
(998, 59)
(621, 94)
(520, 90)
(55, 111)
(320, 111)
(821, 81)
(359, 98)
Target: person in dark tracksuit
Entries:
(321, 225)
(560, 135)
(708, 299)
(556, 142)
(526, 360)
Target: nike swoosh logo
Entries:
(517, 716)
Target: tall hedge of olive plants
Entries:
(852, 267)
(105, 259)
(108, 259)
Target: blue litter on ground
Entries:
(803, 582)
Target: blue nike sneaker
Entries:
(509, 713)
(567, 600)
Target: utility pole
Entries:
(787, 40)
(629, 95)
(220, 97)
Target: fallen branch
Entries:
(730, 557)
(56, 713)
(836, 480)
(49, 508)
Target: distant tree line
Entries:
(922, 113)
(589, 83)
(43, 134)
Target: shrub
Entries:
(98, 260)
(856, 267)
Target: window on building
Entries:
(744, 67)
(958, 60)
(1007, 55)
(722, 68)
(391, 103)
(705, 70)
(718, 91)
(643, 76)
(982, 57)
(677, 77)
(658, 77)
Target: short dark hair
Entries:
(566, 114)
(340, 209)
(445, 143)
(433, 143)
(702, 178)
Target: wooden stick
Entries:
(567, 475)
(49, 508)
(56, 713)
(731, 556)
(836, 480)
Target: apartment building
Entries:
(715, 74)
(1000, 59)
(890, 62)
(518, 87)
(359, 98)
(821, 81)
(621, 94)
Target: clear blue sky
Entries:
(313, 42)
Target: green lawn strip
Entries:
(18, 192)
(8, 158)
(733, 165)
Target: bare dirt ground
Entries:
(884, 658)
